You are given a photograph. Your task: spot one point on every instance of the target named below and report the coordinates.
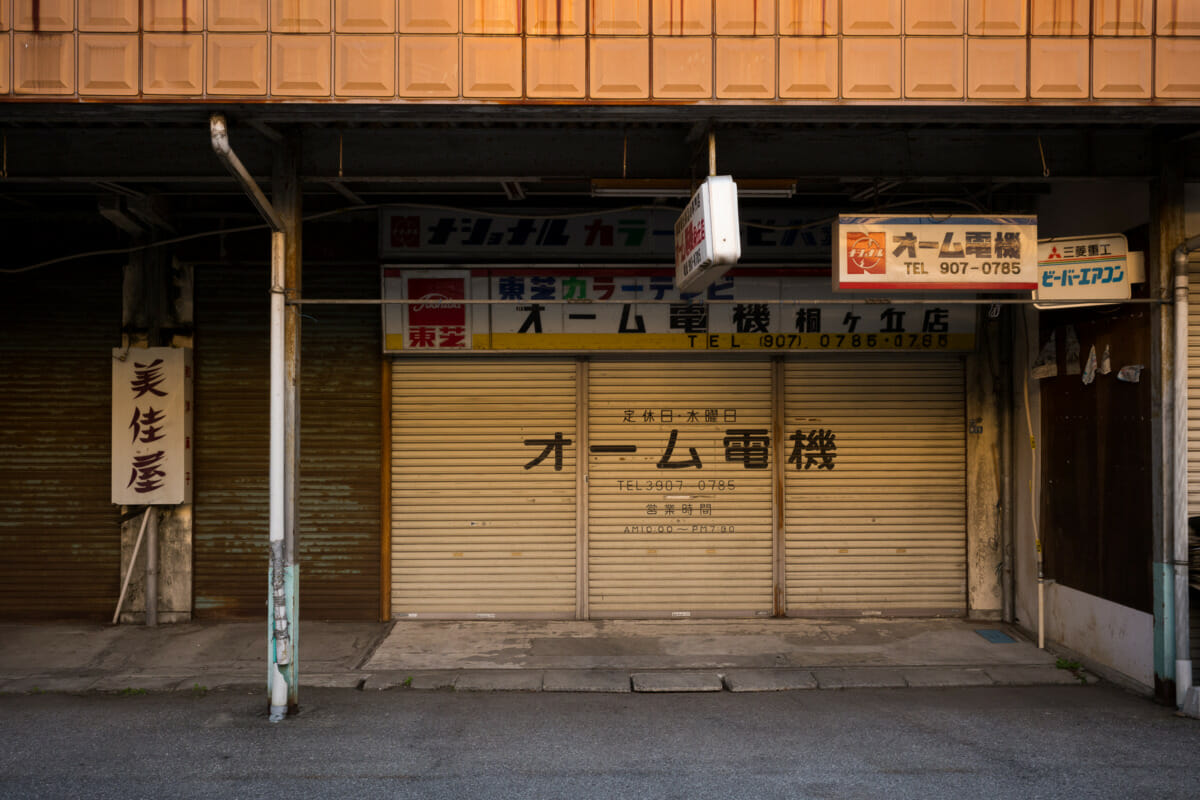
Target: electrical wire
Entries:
(117, 251)
(455, 209)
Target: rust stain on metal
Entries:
(36, 10)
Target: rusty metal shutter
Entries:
(60, 540)
(340, 446)
(1193, 388)
(231, 429)
(679, 541)
(884, 529)
(477, 528)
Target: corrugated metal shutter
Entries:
(231, 429)
(679, 541)
(1193, 391)
(340, 446)
(60, 540)
(884, 530)
(476, 530)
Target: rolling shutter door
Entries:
(884, 529)
(1193, 388)
(60, 537)
(340, 447)
(232, 394)
(679, 540)
(478, 528)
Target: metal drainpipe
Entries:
(1007, 521)
(1178, 556)
(280, 570)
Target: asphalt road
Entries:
(1072, 742)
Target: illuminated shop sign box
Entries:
(935, 253)
(1084, 268)
(707, 241)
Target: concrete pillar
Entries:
(985, 537)
(157, 312)
(1167, 217)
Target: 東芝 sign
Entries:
(151, 426)
(1083, 268)
(522, 309)
(935, 253)
(707, 239)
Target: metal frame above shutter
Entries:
(680, 541)
(875, 486)
(484, 488)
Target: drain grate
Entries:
(995, 636)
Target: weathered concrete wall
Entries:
(985, 597)
(1113, 635)
(174, 567)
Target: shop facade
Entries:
(770, 448)
(641, 455)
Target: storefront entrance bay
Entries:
(611, 487)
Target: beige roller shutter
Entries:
(875, 487)
(484, 487)
(1193, 391)
(679, 524)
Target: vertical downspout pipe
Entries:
(1178, 553)
(280, 651)
(1007, 522)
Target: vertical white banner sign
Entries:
(152, 426)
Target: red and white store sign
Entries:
(436, 324)
(935, 253)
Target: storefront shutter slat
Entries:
(1193, 387)
(60, 536)
(474, 532)
(340, 447)
(884, 530)
(705, 549)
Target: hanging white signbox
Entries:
(707, 237)
(898, 252)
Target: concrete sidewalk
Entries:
(572, 656)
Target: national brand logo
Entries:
(436, 311)
(865, 253)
